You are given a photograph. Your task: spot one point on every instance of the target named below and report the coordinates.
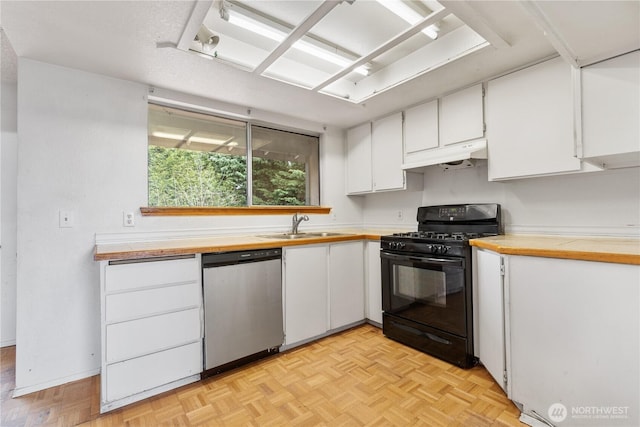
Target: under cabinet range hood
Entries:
(461, 155)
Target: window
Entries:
(196, 159)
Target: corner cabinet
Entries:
(560, 331)
(358, 172)
(374, 158)
(530, 122)
(151, 327)
(489, 314)
(611, 112)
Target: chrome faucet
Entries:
(295, 222)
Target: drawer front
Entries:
(148, 302)
(144, 373)
(151, 334)
(123, 277)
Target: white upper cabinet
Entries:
(611, 112)
(386, 142)
(421, 128)
(445, 130)
(359, 178)
(461, 116)
(374, 158)
(530, 126)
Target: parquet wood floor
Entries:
(354, 378)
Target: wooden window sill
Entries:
(236, 210)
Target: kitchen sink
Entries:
(291, 236)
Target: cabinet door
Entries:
(386, 141)
(306, 305)
(610, 109)
(575, 336)
(346, 284)
(374, 283)
(461, 116)
(359, 179)
(489, 312)
(530, 122)
(421, 128)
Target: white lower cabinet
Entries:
(346, 283)
(305, 292)
(323, 289)
(488, 310)
(571, 340)
(373, 282)
(574, 340)
(151, 327)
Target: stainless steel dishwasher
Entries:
(243, 318)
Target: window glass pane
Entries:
(285, 168)
(195, 159)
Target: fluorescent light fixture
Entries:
(168, 135)
(405, 12)
(207, 140)
(271, 33)
(255, 26)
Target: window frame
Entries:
(250, 208)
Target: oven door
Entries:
(426, 289)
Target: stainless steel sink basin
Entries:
(290, 236)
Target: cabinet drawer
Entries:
(144, 373)
(124, 277)
(147, 302)
(138, 337)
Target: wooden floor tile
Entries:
(355, 378)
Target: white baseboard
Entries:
(8, 343)
(21, 391)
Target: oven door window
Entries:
(427, 290)
(421, 285)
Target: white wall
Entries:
(597, 203)
(83, 143)
(8, 233)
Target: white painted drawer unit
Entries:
(151, 326)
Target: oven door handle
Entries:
(425, 260)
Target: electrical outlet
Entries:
(65, 219)
(333, 215)
(399, 215)
(128, 219)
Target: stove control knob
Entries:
(401, 245)
(429, 248)
(445, 249)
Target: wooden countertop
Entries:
(156, 248)
(603, 249)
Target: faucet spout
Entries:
(295, 222)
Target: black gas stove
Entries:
(426, 279)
